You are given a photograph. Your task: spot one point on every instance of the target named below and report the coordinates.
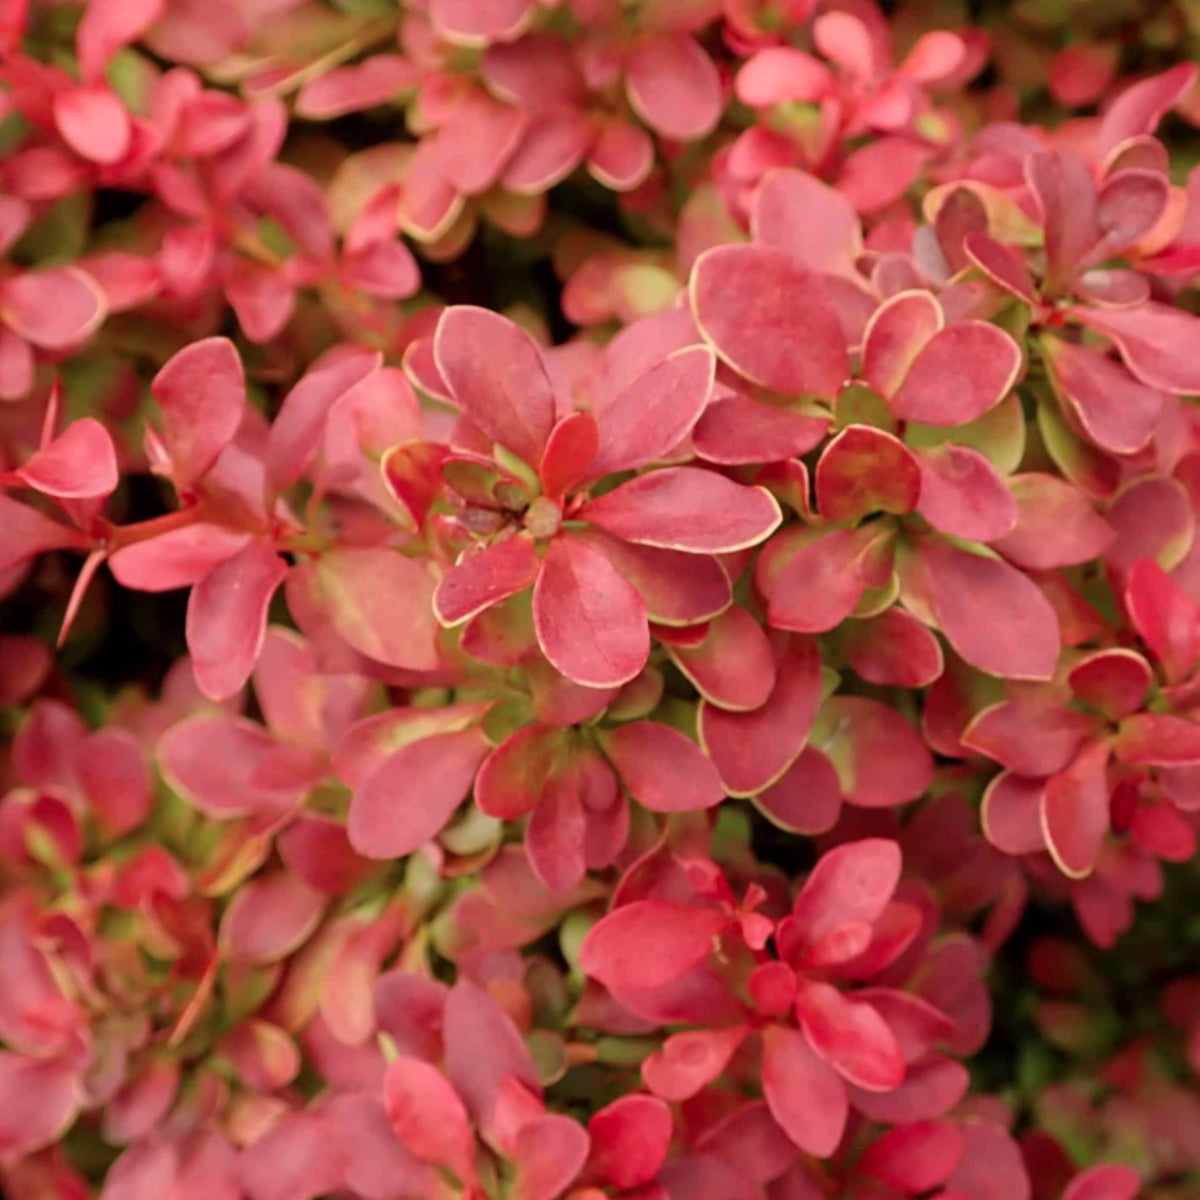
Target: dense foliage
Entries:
(599, 600)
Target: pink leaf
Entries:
(549, 1152)
(1109, 1181)
(427, 1116)
(1139, 108)
(1061, 182)
(227, 618)
(880, 758)
(1115, 411)
(38, 1101)
(733, 667)
(179, 558)
(1029, 736)
(94, 123)
(798, 213)
(914, 1158)
(993, 616)
(78, 464)
(769, 319)
(896, 334)
(109, 25)
(663, 769)
(853, 1037)
(1131, 203)
(881, 172)
(367, 84)
(27, 533)
(689, 1061)
(1158, 739)
(56, 309)
(1154, 341)
(649, 943)
(622, 155)
(779, 75)
(1011, 814)
(202, 394)
(804, 1093)
(412, 794)
(114, 777)
(1165, 616)
(677, 588)
(688, 509)
(473, 24)
(482, 579)
(1056, 525)
(362, 591)
(851, 884)
(555, 836)
(674, 87)
(496, 375)
(964, 371)
(752, 750)
(738, 429)
(299, 426)
(298, 1158)
(650, 416)
(963, 494)
(892, 650)
(591, 624)
(270, 917)
(1075, 811)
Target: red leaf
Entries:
(1165, 616)
(1138, 109)
(363, 589)
(892, 650)
(227, 618)
(804, 1093)
(994, 616)
(112, 772)
(880, 758)
(344, 90)
(1130, 205)
(1029, 736)
(427, 1116)
(914, 1158)
(964, 371)
(777, 75)
(202, 394)
(1002, 264)
(963, 494)
(677, 588)
(650, 416)
(853, 1037)
(519, 770)
(880, 172)
(752, 750)
(496, 375)
(556, 835)
(1154, 341)
(806, 799)
(1075, 811)
(1114, 681)
(270, 917)
(412, 794)
(991, 1167)
(549, 1152)
(1115, 411)
(733, 666)
(649, 943)
(78, 464)
(179, 558)
(570, 454)
(630, 1138)
(688, 509)
(663, 770)
(482, 579)
(591, 624)
(1158, 740)
(769, 319)
(54, 310)
(865, 470)
(674, 86)
(896, 334)
(851, 884)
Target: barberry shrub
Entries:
(599, 601)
